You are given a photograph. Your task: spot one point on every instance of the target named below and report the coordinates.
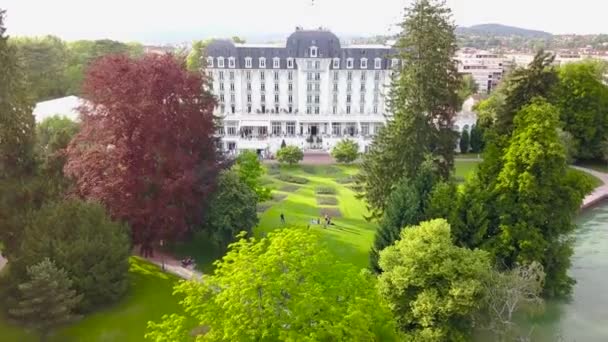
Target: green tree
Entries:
(290, 154)
(464, 141)
(52, 138)
(476, 139)
(46, 299)
(524, 84)
(232, 210)
(433, 287)
(345, 151)
(250, 170)
(195, 59)
(582, 98)
(284, 287)
(81, 239)
(238, 40)
(468, 87)
(423, 100)
(17, 158)
(538, 198)
(44, 61)
(406, 207)
(525, 213)
(84, 52)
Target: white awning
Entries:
(251, 123)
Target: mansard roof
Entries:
(298, 46)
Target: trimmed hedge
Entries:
(292, 179)
(325, 190)
(327, 200)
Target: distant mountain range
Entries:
(502, 30)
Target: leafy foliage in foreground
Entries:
(433, 286)
(286, 286)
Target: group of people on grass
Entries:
(326, 221)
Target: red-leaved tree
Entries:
(146, 148)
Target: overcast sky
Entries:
(183, 20)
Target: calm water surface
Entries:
(585, 316)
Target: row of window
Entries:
(290, 128)
(276, 63)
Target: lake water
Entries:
(583, 318)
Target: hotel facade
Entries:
(310, 92)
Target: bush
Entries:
(292, 179)
(331, 212)
(289, 188)
(325, 190)
(290, 155)
(345, 180)
(81, 239)
(345, 151)
(327, 200)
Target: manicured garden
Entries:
(302, 193)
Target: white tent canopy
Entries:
(64, 106)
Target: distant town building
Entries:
(486, 68)
(310, 91)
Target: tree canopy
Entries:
(286, 286)
(345, 151)
(81, 239)
(582, 98)
(46, 299)
(433, 287)
(146, 148)
(232, 210)
(423, 100)
(250, 170)
(290, 155)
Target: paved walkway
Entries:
(174, 266)
(600, 193)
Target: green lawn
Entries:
(149, 298)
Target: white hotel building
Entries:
(310, 92)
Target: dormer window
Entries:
(247, 62)
(336, 63)
(363, 63)
(220, 62)
(394, 62)
(349, 63)
(231, 62)
(313, 51)
(262, 62)
(209, 62)
(377, 63)
(276, 62)
(290, 63)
